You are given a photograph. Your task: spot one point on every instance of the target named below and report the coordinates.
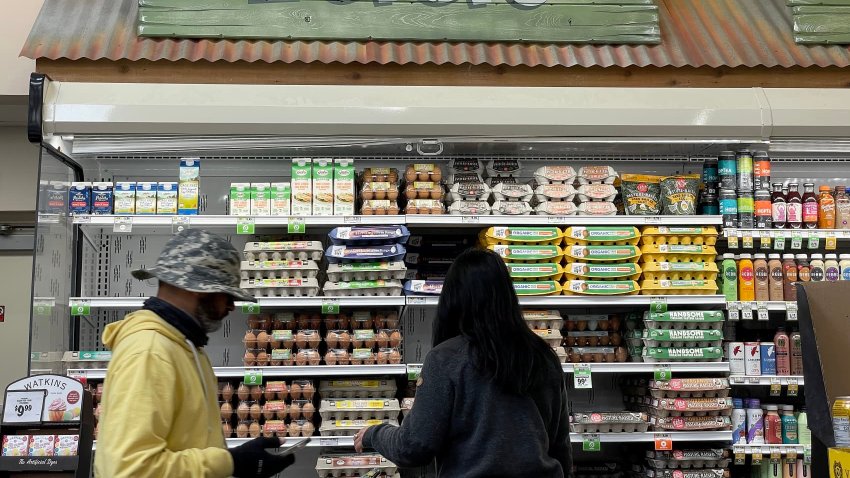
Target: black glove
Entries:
(251, 460)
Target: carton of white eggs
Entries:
(283, 251)
(354, 465)
(360, 409)
(279, 269)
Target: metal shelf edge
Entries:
(723, 436)
(646, 367)
(289, 371)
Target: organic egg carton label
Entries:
(527, 253)
(589, 287)
(603, 271)
(524, 234)
(602, 233)
(691, 423)
(537, 288)
(534, 271)
(603, 253)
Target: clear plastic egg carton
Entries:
(470, 208)
(345, 409)
(543, 319)
(468, 191)
(690, 388)
(687, 473)
(682, 354)
(554, 193)
(608, 422)
(279, 269)
(552, 337)
(348, 428)
(597, 354)
(358, 388)
(592, 322)
(604, 271)
(600, 208)
(560, 174)
(678, 287)
(521, 235)
(593, 339)
(355, 465)
(596, 193)
(691, 407)
(689, 459)
(371, 253)
(512, 208)
(691, 423)
(682, 338)
(601, 235)
(551, 271)
(613, 253)
(371, 271)
(283, 251)
(596, 175)
(677, 253)
(685, 320)
(281, 287)
(675, 235)
(523, 253)
(512, 192)
(553, 208)
(678, 271)
(374, 288)
(365, 235)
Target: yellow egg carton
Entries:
(603, 271)
(601, 235)
(521, 235)
(678, 287)
(601, 287)
(680, 271)
(677, 253)
(593, 253)
(537, 271)
(528, 254)
(685, 235)
(534, 288)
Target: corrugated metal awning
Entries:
(694, 33)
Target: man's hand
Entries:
(251, 460)
(358, 440)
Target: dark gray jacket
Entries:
(473, 428)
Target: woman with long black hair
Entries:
(491, 400)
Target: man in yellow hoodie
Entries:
(160, 414)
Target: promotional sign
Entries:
(63, 400)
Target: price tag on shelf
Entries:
(82, 219)
(746, 311)
(122, 224)
(297, 225)
(732, 238)
(245, 225)
(253, 376)
(775, 387)
(582, 378)
(791, 456)
(766, 242)
(251, 308)
(779, 243)
(556, 219)
(179, 224)
(740, 459)
(814, 241)
(807, 454)
(42, 307)
(757, 458)
(733, 308)
(652, 220)
(78, 375)
(663, 442)
(80, 308)
(330, 306)
(415, 300)
(413, 372)
(352, 219)
(733, 379)
(748, 242)
(328, 441)
(796, 240)
(658, 304)
(761, 307)
(662, 373)
(590, 442)
(754, 380)
(831, 241)
(23, 406)
(775, 455)
(470, 219)
(791, 311)
(793, 387)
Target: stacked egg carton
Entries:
(379, 191)
(276, 409)
(596, 191)
(679, 260)
(369, 465)
(366, 261)
(683, 335)
(363, 338)
(363, 389)
(601, 260)
(510, 195)
(594, 339)
(555, 193)
(599, 469)
(423, 190)
(282, 339)
(429, 257)
(468, 193)
(532, 256)
(687, 463)
(608, 422)
(547, 324)
(281, 269)
(634, 335)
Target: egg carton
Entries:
(466, 177)
(470, 208)
(581, 253)
(379, 207)
(424, 190)
(597, 209)
(689, 459)
(596, 175)
(560, 174)
(503, 167)
(597, 354)
(423, 287)
(535, 288)
(601, 287)
(373, 175)
(678, 271)
(550, 271)
(690, 388)
(543, 319)
(368, 319)
(552, 337)
(593, 339)
(596, 192)
(561, 352)
(466, 165)
(300, 428)
(424, 206)
(308, 357)
(494, 180)
(512, 192)
(592, 322)
(521, 235)
(368, 235)
(634, 338)
(682, 338)
(379, 190)
(601, 235)
(678, 287)
(686, 235)
(355, 465)
(347, 428)
(554, 193)
(556, 208)
(279, 269)
(682, 354)
(355, 388)
(384, 252)
(281, 287)
(608, 422)
(685, 319)
(688, 473)
(283, 251)
(527, 253)
(344, 409)
(512, 208)
(686, 407)
(423, 172)
(678, 253)
(468, 191)
(691, 423)
(603, 271)
(366, 288)
(366, 271)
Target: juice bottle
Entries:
(790, 435)
(778, 207)
(842, 208)
(762, 277)
(818, 268)
(772, 425)
(789, 283)
(746, 279)
(782, 346)
(804, 269)
(796, 353)
(774, 266)
(826, 209)
(841, 422)
(730, 277)
(832, 271)
(844, 266)
(804, 435)
(794, 207)
(810, 206)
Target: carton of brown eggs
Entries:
(354, 465)
(609, 422)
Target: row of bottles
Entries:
(757, 424)
(829, 209)
(763, 277)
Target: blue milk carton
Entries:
(101, 198)
(79, 198)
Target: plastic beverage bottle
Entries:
(730, 277)
(832, 270)
(789, 425)
(796, 353)
(772, 425)
(746, 279)
(762, 277)
(739, 422)
(804, 269)
(778, 207)
(826, 209)
(844, 265)
(789, 469)
(755, 422)
(794, 207)
(804, 435)
(804, 470)
(789, 268)
(810, 206)
(782, 344)
(774, 266)
(842, 208)
(818, 268)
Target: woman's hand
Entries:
(358, 440)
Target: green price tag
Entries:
(757, 458)
(814, 241)
(732, 240)
(413, 372)
(330, 306)
(296, 225)
(831, 241)
(748, 242)
(245, 225)
(80, 308)
(251, 308)
(663, 373)
(779, 243)
(766, 242)
(590, 443)
(796, 240)
(658, 305)
(253, 376)
(582, 378)
(42, 308)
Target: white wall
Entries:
(18, 170)
(15, 23)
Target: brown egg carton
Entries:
(423, 172)
(691, 407)
(380, 175)
(688, 473)
(423, 190)
(358, 388)
(689, 458)
(608, 422)
(379, 191)
(691, 423)
(690, 388)
(355, 465)
(597, 354)
(369, 409)
(593, 339)
(424, 206)
(377, 207)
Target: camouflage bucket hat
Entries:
(199, 261)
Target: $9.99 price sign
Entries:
(23, 406)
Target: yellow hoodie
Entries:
(159, 414)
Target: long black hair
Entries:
(479, 302)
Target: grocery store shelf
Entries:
(288, 302)
(768, 449)
(640, 367)
(725, 436)
(456, 220)
(595, 301)
(224, 221)
(314, 442)
(290, 371)
(765, 380)
(787, 233)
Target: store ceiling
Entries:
(694, 33)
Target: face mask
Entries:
(206, 316)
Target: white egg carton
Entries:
(464, 178)
(347, 428)
(691, 423)
(351, 389)
(512, 208)
(355, 465)
(691, 407)
(543, 319)
(609, 422)
(554, 192)
(689, 459)
(283, 251)
(512, 192)
(561, 352)
(687, 473)
(552, 337)
(555, 175)
(470, 208)
(279, 269)
(596, 175)
(468, 191)
(690, 388)
(346, 409)
(601, 208)
(374, 288)
(596, 192)
(366, 271)
(281, 287)
(556, 208)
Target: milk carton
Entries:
(752, 358)
(323, 187)
(146, 197)
(79, 198)
(281, 197)
(240, 199)
(56, 197)
(101, 198)
(302, 187)
(344, 187)
(189, 187)
(260, 199)
(166, 198)
(124, 197)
